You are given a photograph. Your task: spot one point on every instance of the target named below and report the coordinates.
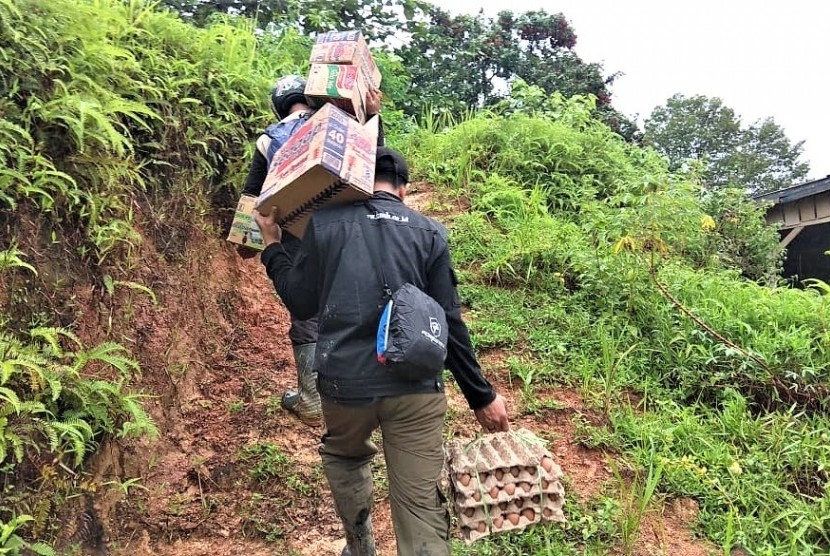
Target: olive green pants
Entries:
(412, 428)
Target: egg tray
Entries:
(552, 498)
(469, 516)
(493, 492)
(516, 453)
(501, 523)
(506, 474)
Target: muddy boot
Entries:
(305, 402)
(360, 541)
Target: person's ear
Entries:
(402, 191)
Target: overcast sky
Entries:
(763, 58)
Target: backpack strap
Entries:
(375, 248)
(279, 133)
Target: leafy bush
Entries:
(50, 402)
(12, 544)
(106, 102)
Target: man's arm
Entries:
(256, 175)
(461, 360)
(490, 408)
(295, 278)
(373, 98)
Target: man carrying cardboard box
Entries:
(351, 256)
(289, 104)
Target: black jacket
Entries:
(334, 274)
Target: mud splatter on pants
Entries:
(412, 445)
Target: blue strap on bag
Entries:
(383, 332)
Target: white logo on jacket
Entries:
(387, 216)
(434, 326)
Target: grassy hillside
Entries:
(596, 268)
(124, 136)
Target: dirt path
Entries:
(216, 359)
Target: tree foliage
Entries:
(758, 157)
(377, 19)
(451, 63)
(463, 61)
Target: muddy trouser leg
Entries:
(347, 452)
(412, 429)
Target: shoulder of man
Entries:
(397, 211)
(424, 221)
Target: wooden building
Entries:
(803, 214)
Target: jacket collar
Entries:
(385, 195)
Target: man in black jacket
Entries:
(333, 274)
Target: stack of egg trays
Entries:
(507, 486)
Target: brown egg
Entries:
(515, 471)
(464, 479)
(498, 521)
(482, 527)
(536, 499)
(529, 514)
(547, 464)
(482, 477)
(547, 512)
(532, 471)
(525, 486)
(519, 502)
(499, 474)
(494, 492)
(545, 485)
(510, 489)
(470, 512)
(503, 506)
(477, 496)
(513, 518)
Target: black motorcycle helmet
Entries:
(287, 92)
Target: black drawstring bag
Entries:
(412, 334)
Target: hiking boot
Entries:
(292, 401)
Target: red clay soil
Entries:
(215, 359)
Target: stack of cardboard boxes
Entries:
(331, 158)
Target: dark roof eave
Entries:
(796, 192)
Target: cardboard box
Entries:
(330, 159)
(244, 230)
(341, 85)
(346, 47)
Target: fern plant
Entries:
(13, 545)
(50, 403)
